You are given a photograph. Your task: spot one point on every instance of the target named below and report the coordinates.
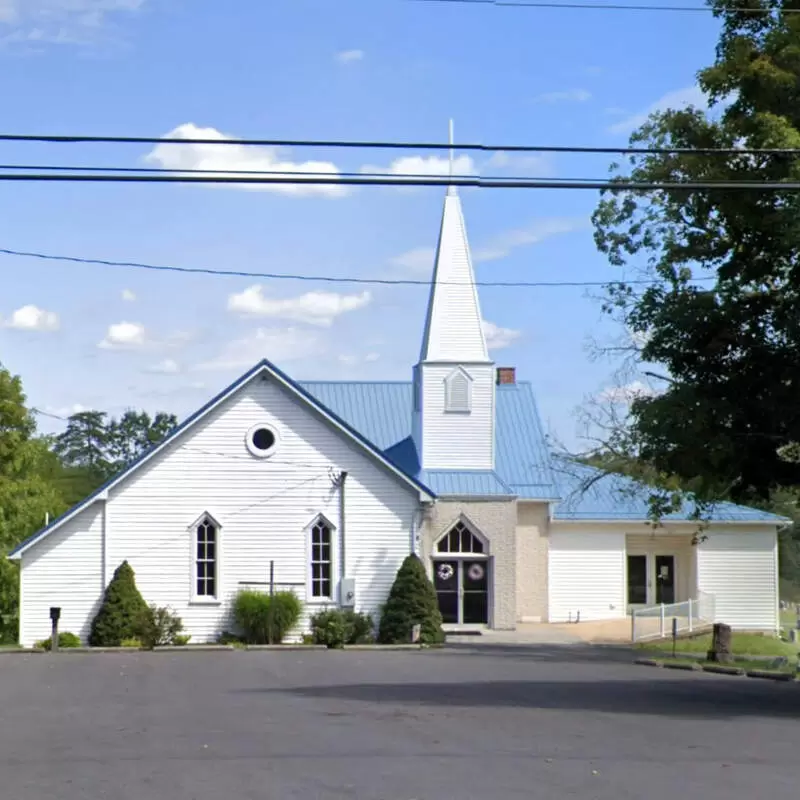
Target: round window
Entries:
(262, 440)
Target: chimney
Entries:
(506, 375)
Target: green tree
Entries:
(84, 444)
(25, 494)
(122, 611)
(722, 322)
(412, 601)
(134, 433)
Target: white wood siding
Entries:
(457, 440)
(264, 508)
(66, 570)
(586, 574)
(739, 567)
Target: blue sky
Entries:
(112, 338)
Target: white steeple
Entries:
(454, 384)
(453, 328)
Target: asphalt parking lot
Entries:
(483, 723)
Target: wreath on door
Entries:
(476, 572)
(445, 572)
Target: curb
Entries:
(771, 676)
(719, 669)
(684, 667)
(647, 662)
(292, 647)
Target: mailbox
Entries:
(55, 613)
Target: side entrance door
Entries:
(651, 580)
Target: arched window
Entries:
(321, 561)
(460, 540)
(206, 558)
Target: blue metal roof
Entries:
(524, 464)
(588, 494)
(383, 411)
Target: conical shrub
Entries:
(412, 601)
(121, 611)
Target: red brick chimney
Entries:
(506, 375)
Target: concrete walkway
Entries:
(617, 631)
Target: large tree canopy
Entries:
(722, 319)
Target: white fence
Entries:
(656, 622)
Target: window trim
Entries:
(448, 404)
(252, 449)
(472, 529)
(200, 599)
(309, 532)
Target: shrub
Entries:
(259, 615)
(157, 627)
(65, 639)
(226, 637)
(412, 601)
(336, 627)
(120, 612)
(182, 639)
(134, 644)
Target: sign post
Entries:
(55, 615)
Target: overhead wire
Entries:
(569, 6)
(378, 144)
(321, 278)
(297, 179)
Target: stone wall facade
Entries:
(495, 521)
(532, 554)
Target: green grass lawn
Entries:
(744, 644)
(788, 620)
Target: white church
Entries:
(334, 483)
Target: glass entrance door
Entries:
(462, 589)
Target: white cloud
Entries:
(539, 163)
(315, 308)
(568, 96)
(627, 393)
(349, 56)
(677, 99)
(497, 338)
(428, 166)
(124, 335)
(350, 360)
(32, 318)
(503, 244)
(420, 259)
(278, 345)
(65, 411)
(167, 366)
(232, 158)
(65, 22)
(128, 295)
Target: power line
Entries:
(390, 145)
(297, 179)
(319, 278)
(607, 6)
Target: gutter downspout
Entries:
(342, 529)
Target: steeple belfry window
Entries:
(458, 392)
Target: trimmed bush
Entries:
(259, 615)
(157, 627)
(336, 627)
(65, 639)
(182, 639)
(120, 612)
(412, 601)
(134, 644)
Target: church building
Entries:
(333, 483)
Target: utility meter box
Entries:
(348, 592)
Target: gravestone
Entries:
(720, 651)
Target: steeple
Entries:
(453, 328)
(454, 389)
